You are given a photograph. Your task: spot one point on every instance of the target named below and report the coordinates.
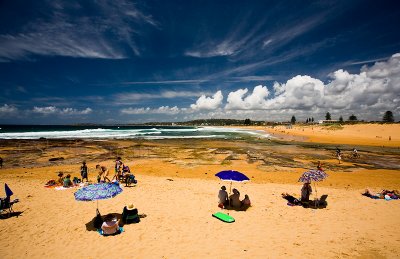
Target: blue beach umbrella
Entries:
(232, 176)
(8, 190)
(99, 191)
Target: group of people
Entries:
(384, 194)
(354, 154)
(122, 173)
(111, 225)
(232, 201)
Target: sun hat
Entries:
(130, 206)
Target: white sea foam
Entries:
(153, 133)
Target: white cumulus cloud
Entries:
(254, 101)
(208, 103)
(64, 111)
(45, 110)
(373, 90)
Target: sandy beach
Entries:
(358, 134)
(177, 190)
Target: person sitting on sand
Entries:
(110, 225)
(245, 202)
(223, 197)
(129, 177)
(130, 214)
(67, 181)
(60, 178)
(306, 191)
(103, 172)
(291, 199)
(84, 171)
(235, 199)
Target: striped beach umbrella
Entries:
(313, 175)
(99, 191)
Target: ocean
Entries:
(123, 132)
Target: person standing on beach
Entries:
(339, 154)
(1, 162)
(319, 166)
(118, 169)
(84, 171)
(103, 172)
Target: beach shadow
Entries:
(130, 186)
(90, 224)
(315, 207)
(10, 215)
(236, 209)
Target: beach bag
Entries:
(76, 180)
(132, 179)
(98, 221)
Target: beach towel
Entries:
(121, 229)
(62, 188)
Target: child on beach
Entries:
(60, 178)
(319, 166)
(84, 171)
(67, 181)
(245, 203)
(103, 172)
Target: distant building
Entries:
(328, 121)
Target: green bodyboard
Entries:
(224, 217)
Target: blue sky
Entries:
(139, 61)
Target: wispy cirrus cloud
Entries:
(162, 95)
(165, 82)
(106, 29)
(244, 42)
(161, 110)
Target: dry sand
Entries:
(358, 134)
(178, 193)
